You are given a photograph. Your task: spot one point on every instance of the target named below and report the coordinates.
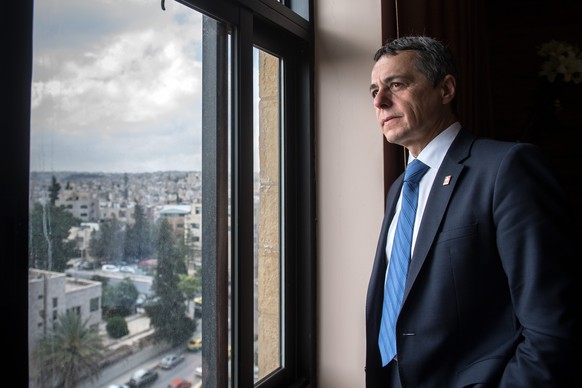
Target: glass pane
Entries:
(115, 194)
(268, 204)
(300, 7)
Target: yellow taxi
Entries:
(195, 344)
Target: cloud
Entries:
(127, 97)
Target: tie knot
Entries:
(414, 171)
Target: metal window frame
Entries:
(275, 28)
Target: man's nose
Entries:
(382, 99)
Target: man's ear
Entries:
(448, 88)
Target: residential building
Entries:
(51, 294)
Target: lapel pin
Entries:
(447, 180)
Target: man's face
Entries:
(410, 111)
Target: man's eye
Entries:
(395, 85)
(374, 93)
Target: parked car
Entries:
(179, 383)
(143, 377)
(195, 344)
(110, 268)
(171, 360)
(87, 265)
(127, 268)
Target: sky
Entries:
(116, 86)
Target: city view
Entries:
(115, 195)
(115, 221)
(105, 235)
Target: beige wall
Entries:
(349, 183)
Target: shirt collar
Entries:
(433, 154)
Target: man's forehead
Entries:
(393, 66)
(403, 59)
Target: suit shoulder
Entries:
(498, 148)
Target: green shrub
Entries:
(117, 327)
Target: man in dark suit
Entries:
(491, 294)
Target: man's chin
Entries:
(391, 135)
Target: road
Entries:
(149, 358)
(184, 370)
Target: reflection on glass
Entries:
(267, 223)
(115, 194)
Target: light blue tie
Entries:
(399, 260)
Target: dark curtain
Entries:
(462, 25)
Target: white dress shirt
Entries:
(432, 155)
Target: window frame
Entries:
(17, 76)
(272, 27)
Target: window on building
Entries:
(94, 304)
(130, 107)
(55, 302)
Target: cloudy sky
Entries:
(116, 86)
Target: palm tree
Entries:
(70, 352)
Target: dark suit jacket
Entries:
(492, 292)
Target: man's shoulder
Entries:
(491, 146)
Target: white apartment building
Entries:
(54, 293)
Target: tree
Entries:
(117, 327)
(54, 189)
(168, 312)
(190, 286)
(49, 246)
(138, 243)
(183, 255)
(119, 300)
(98, 278)
(109, 242)
(71, 351)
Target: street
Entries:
(184, 370)
(147, 357)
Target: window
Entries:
(257, 212)
(94, 304)
(270, 208)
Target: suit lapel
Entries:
(444, 185)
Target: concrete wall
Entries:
(350, 199)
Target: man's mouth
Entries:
(389, 118)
